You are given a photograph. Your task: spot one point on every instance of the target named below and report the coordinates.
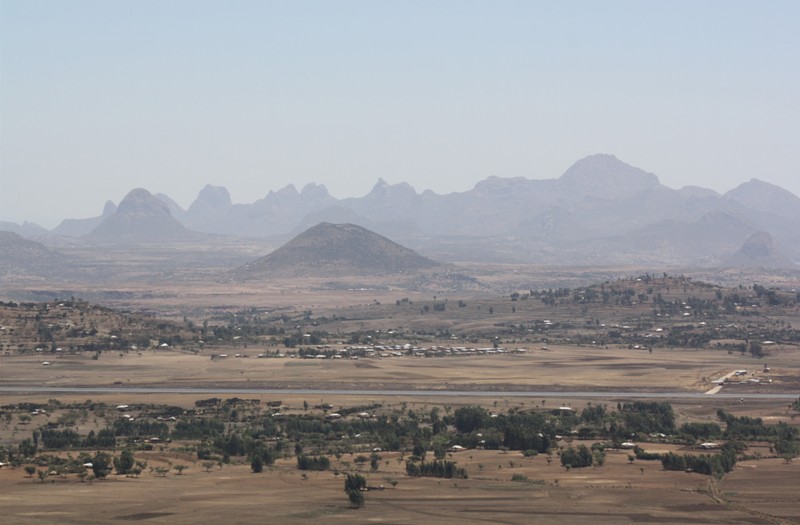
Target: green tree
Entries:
(577, 457)
(27, 448)
(469, 419)
(101, 464)
(124, 463)
(354, 485)
(30, 471)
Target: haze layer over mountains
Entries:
(600, 211)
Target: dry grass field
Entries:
(554, 368)
(620, 491)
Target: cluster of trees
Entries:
(753, 429)
(198, 428)
(52, 438)
(435, 469)
(648, 417)
(582, 456)
(263, 438)
(774, 297)
(577, 457)
(716, 464)
(261, 456)
(305, 462)
(515, 430)
(140, 428)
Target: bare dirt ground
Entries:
(554, 368)
(619, 492)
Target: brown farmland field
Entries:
(503, 486)
(756, 492)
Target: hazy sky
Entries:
(97, 98)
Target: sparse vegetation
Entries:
(585, 334)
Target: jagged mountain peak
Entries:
(313, 190)
(289, 189)
(138, 200)
(216, 197)
(383, 188)
(141, 217)
(109, 208)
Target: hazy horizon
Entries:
(98, 98)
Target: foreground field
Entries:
(504, 486)
(619, 492)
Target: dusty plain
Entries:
(552, 369)
(757, 492)
(762, 490)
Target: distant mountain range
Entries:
(600, 211)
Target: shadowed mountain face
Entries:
(19, 256)
(759, 250)
(327, 250)
(141, 217)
